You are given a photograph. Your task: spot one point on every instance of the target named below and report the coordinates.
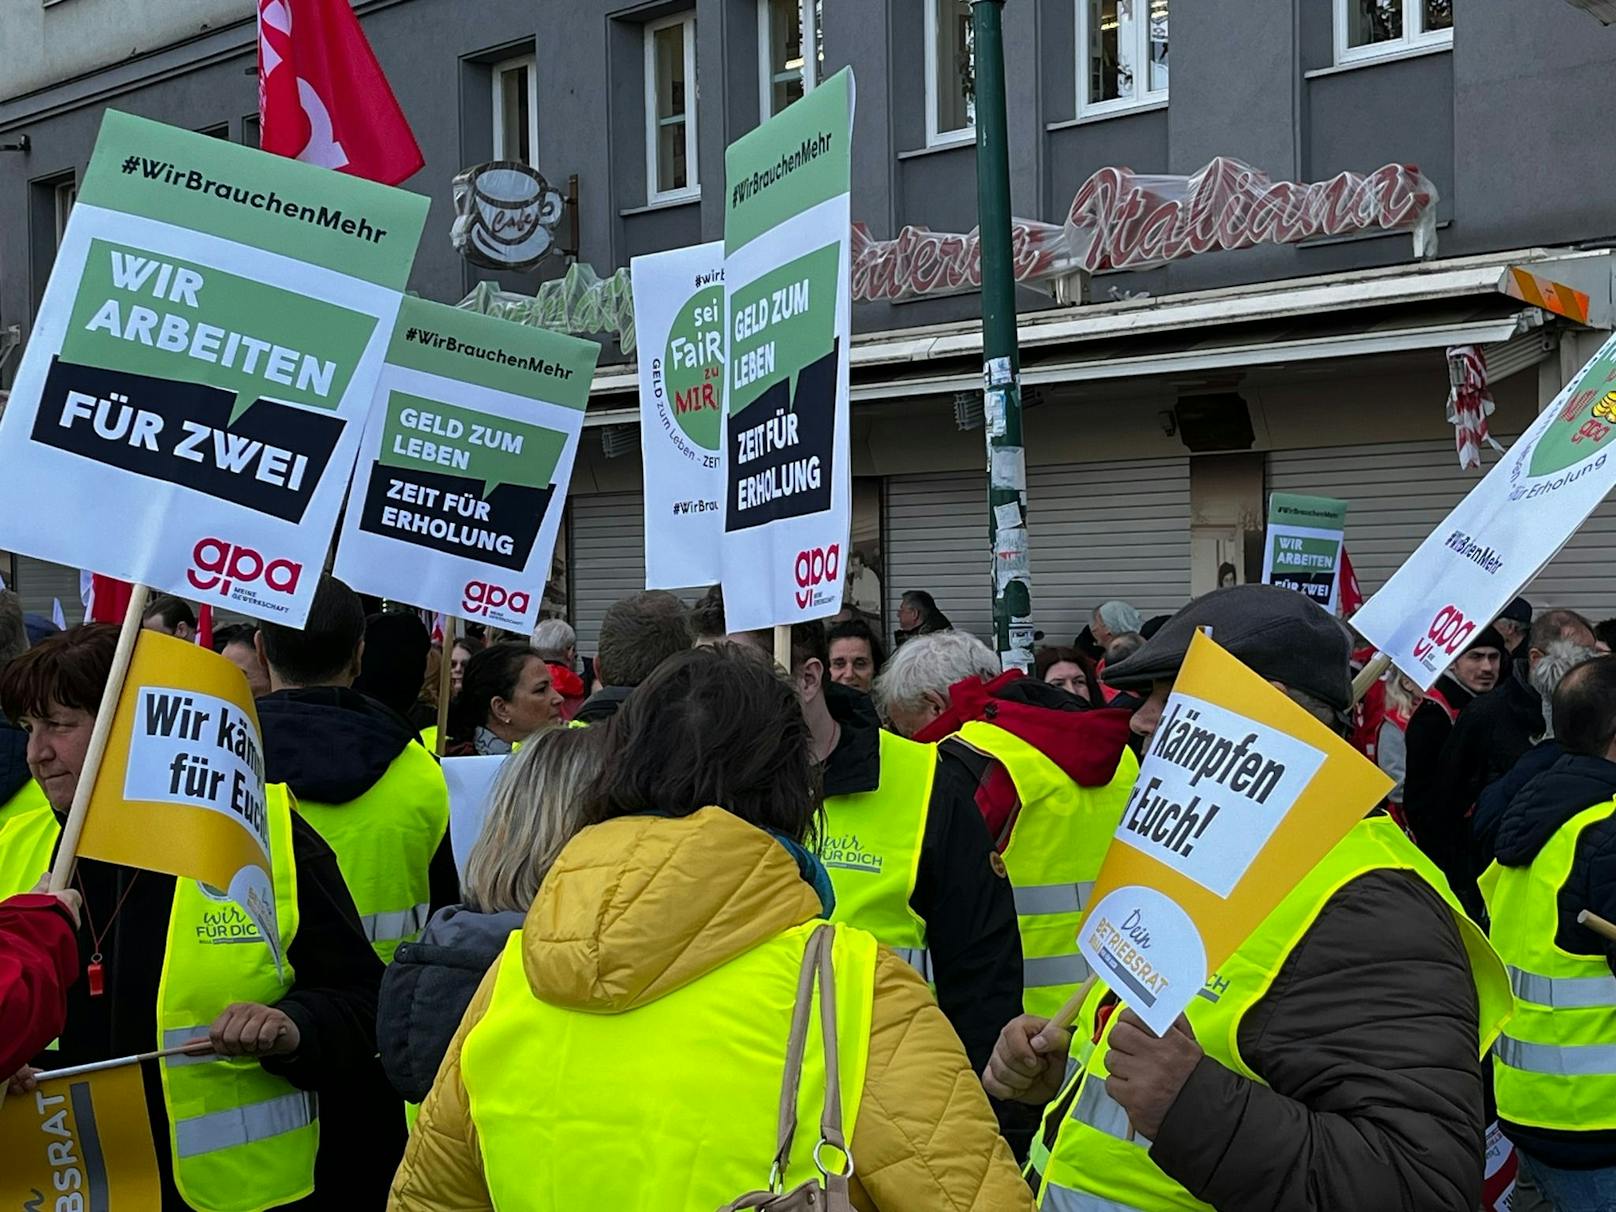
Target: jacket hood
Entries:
(1085, 742)
(1550, 800)
(638, 907)
(14, 774)
(328, 743)
(463, 926)
(603, 704)
(854, 765)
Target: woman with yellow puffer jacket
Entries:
(628, 1048)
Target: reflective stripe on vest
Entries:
(1057, 842)
(871, 848)
(384, 841)
(917, 958)
(1556, 1069)
(28, 832)
(240, 1138)
(1092, 1157)
(549, 1087)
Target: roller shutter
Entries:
(1098, 531)
(607, 554)
(39, 582)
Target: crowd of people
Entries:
(731, 933)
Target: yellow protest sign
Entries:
(181, 786)
(79, 1144)
(1240, 794)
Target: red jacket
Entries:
(39, 959)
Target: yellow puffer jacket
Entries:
(641, 906)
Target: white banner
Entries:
(1507, 528)
(679, 326)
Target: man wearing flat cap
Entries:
(1332, 1063)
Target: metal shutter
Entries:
(607, 554)
(1099, 531)
(38, 583)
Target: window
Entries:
(784, 27)
(252, 132)
(1123, 56)
(670, 109)
(220, 130)
(516, 109)
(950, 72)
(1377, 29)
(66, 194)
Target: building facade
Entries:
(1160, 411)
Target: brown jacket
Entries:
(640, 906)
(1368, 1041)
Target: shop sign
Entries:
(505, 215)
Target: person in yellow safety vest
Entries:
(907, 852)
(627, 1049)
(360, 775)
(165, 961)
(1554, 1070)
(1051, 777)
(1332, 1063)
(27, 827)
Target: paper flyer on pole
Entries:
(463, 472)
(191, 397)
(1505, 530)
(1241, 793)
(86, 1140)
(1303, 550)
(789, 316)
(181, 787)
(679, 322)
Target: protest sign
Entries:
(1241, 793)
(464, 467)
(79, 1144)
(471, 786)
(1505, 530)
(180, 787)
(788, 323)
(1303, 551)
(679, 322)
(189, 404)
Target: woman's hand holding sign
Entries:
(246, 1029)
(1147, 1073)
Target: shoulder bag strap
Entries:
(830, 1120)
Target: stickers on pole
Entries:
(1240, 795)
(181, 788)
(464, 468)
(1303, 551)
(679, 322)
(189, 404)
(1505, 530)
(85, 1139)
(786, 477)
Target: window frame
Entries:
(809, 20)
(934, 137)
(497, 78)
(1409, 43)
(692, 186)
(1148, 99)
(68, 189)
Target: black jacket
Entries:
(427, 988)
(331, 745)
(1436, 819)
(603, 704)
(332, 1001)
(14, 774)
(960, 890)
(1533, 817)
(1496, 799)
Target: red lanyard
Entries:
(95, 974)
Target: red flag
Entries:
(322, 97)
(1351, 595)
(204, 626)
(109, 599)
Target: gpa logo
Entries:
(817, 567)
(481, 598)
(1449, 631)
(216, 564)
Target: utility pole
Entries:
(1001, 360)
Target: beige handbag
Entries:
(829, 1192)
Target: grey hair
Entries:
(13, 632)
(552, 638)
(533, 812)
(1123, 647)
(932, 663)
(1119, 617)
(1559, 658)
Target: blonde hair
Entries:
(534, 810)
(1402, 695)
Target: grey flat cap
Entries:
(1277, 632)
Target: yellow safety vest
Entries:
(240, 1139)
(28, 832)
(871, 848)
(1556, 1066)
(671, 1105)
(384, 841)
(1093, 1166)
(1057, 842)
(429, 739)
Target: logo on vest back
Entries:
(845, 851)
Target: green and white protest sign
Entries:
(789, 315)
(1303, 551)
(463, 473)
(189, 405)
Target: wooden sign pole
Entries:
(197, 1047)
(1369, 675)
(67, 852)
(782, 648)
(445, 682)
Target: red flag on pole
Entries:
(108, 600)
(1351, 596)
(322, 96)
(204, 626)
